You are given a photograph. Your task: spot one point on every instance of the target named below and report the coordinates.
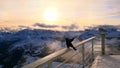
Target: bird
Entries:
(69, 43)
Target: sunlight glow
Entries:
(50, 14)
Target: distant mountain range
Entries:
(28, 45)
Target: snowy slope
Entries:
(32, 44)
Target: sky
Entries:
(59, 12)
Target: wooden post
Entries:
(103, 43)
(83, 56)
(92, 49)
(50, 64)
(102, 32)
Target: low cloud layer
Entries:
(45, 26)
(69, 27)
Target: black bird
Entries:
(69, 44)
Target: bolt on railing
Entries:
(82, 52)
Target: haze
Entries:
(63, 13)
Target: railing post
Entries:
(103, 43)
(83, 56)
(92, 49)
(102, 32)
(50, 64)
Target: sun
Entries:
(51, 14)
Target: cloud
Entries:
(45, 26)
(54, 46)
(71, 27)
(23, 27)
(112, 8)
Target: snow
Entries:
(29, 59)
(109, 61)
(36, 41)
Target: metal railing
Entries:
(107, 45)
(112, 45)
(84, 52)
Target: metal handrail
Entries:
(40, 62)
(112, 36)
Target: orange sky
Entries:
(80, 12)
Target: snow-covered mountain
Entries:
(28, 45)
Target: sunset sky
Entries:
(59, 12)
